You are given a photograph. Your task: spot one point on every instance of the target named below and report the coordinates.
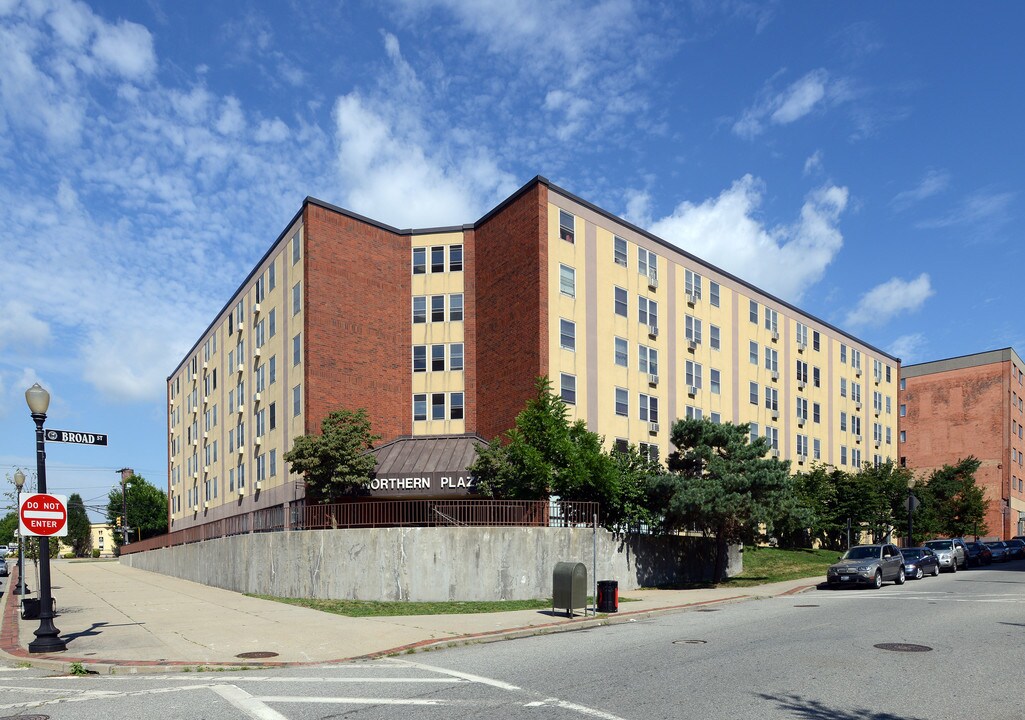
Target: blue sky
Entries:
(863, 160)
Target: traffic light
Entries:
(118, 521)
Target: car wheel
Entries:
(877, 582)
(936, 570)
(901, 577)
(953, 566)
(919, 574)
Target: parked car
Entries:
(979, 554)
(867, 565)
(919, 561)
(1016, 547)
(952, 553)
(4, 570)
(999, 550)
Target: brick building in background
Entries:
(440, 333)
(970, 405)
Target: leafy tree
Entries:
(808, 516)
(79, 532)
(8, 527)
(545, 455)
(721, 483)
(337, 462)
(883, 491)
(952, 504)
(147, 510)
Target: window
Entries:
(855, 424)
(903, 383)
(455, 258)
(420, 407)
(802, 371)
(843, 454)
(856, 358)
(620, 302)
(272, 421)
(273, 464)
(455, 406)
(713, 337)
(693, 413)
(455, 307)
(568, 388)
(889, 435)
(296, 245)
(843, 387)
(692, 374)
(567, 280)
(843, 353)
(801, 405)
(714, 381)
(272, 323)
(261, 290)
(771, 360)
(903, 410)
(438, 259)
(271, 282)
(622, 402)
(648, 450)
(815, 340)
(716, 418)
(713, 294)
(816, 377)
(297, 400)
(772, 435)
(647, 263)
(567, 334)
(296, 298)
(753, 352)
(648, 408)
(437, 406)
(261, 378)
(754, 432)
(419, 261)
(438, 358)
(877, 402)
(692, 284)
(856, 457)
(419, 358)
(647, 360)
(816, 413)
(437, 308)
(771, 320)
(296, 349)
(771, 399)
(455, 356)
(619, 251)
(753, 311)
(856, 392)
(817, 449)
(566, 226)
(647, 312)
(621, 351)
(753, 393)
(272, 371)
(802, 444)
(692, 329)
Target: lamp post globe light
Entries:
(19, 482)
(47, 635)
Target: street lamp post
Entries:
(911, 509)
(47, 635)
(124, 511)
(19, 482)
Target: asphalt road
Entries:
(810, 656)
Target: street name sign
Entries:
(43, 515)
(73, 436)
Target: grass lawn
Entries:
(769, 565)
(371, 608)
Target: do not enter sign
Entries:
(43, 515)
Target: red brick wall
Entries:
(470, 330)
(511, 270)
(357, 322)
(957, 413)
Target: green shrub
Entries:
(69, 555)
(96, 552)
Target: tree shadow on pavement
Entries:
(801, 707)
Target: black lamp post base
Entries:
(47, 639)
(17, 590)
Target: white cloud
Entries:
(126, 48)
(908, 348)
(232, 120)
(804, 96)
(785, 260)
(19, 326)
(271, 131)
(813, 163)
(888, 299)
(933, 183)
(984, 209)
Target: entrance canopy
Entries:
(426, 467)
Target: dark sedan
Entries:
(920, 561)
(999, 550)
(979, 554)
(1016, 548)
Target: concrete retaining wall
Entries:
(429, 564)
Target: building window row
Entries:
(437, 308)
(438, 406)
(438, 256)
(432, 358)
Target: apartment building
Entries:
(970, 405)
(440, 333)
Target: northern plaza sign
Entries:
(43, 515)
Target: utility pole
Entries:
(125, 474)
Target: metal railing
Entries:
(383, 513)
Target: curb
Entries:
(11, 650)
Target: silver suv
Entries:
(952, 553)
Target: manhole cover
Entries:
(689, 642)
(256, 654)
(903, 647)
(805, 605)
(708, 610)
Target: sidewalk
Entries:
(120, 619)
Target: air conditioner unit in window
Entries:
(800, 421)
(857, 406)
(800, 459)
(652, 379)
(206, 469)
(692, 390)
(802, 346)
(775, 415)
(241, 367)
(258, 441)
(195, 508)
(878, 379)
(692, 345)
(857, 372)
(256, 353)
(195, 476)
(775, 452)
(206, 504)
(652, 279)
(256, 397)
(653, 330)
(258, 486)
(205, 364)
(857, 439)
(653, 427)
(692, 298)
(775, 375)
(241, 449)
(256, 308)
(240, 408)
(195, 442)
(239, 329)
(877, 444)
(775, 335)
(170, 403)
(206, 399)
(195, 410)
(241, 491)
(877, 412)
(801, 384)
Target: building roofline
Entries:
(986, 357)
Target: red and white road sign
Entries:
(43, 515)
